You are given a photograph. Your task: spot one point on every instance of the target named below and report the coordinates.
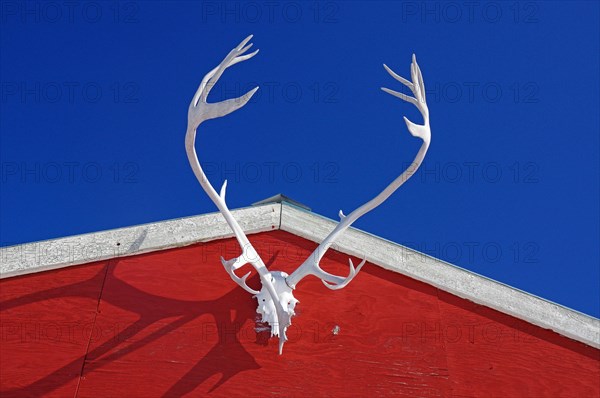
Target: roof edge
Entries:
(98, 246)
(447, 277)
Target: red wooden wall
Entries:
(172, 323)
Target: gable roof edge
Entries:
(445, 276)
(98, 246)
(58, 253)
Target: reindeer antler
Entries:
(311, 265)
(277, 286)
(200, 111)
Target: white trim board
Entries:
(80, 249)
(446, 277)
(87, 248)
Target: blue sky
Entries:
(94, 103)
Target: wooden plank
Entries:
(172, 323)
(492, 352)
(45, 323)
(81, 249)
(193, 331)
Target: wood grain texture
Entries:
(45, 324)
(173, 324)
(486, 349)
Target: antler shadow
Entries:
(150, 309)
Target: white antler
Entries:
(200, 111)
(276, 299)
(311, 265)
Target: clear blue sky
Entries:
(94, 103)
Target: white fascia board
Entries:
(446, 277)
(81, 249)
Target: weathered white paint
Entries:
(81, 249)
(58, 253)
(446, 277)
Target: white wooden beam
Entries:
(81, 249)
(446, 277)
(97, 246)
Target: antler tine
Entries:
(417, 87)
(404, 97)
(210, 79)
(311, 265)
(233, 264)
(340, 282)
(235, 56)
(402, 80)
(420, 79)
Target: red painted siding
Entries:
(172, 323)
